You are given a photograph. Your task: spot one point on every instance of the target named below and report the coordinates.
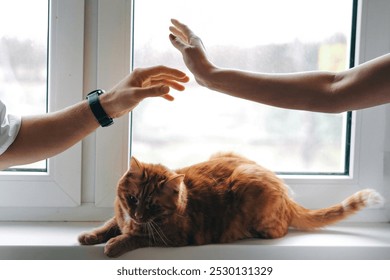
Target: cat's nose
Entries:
(138, 215)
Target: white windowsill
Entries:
(58, 240)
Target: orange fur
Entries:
(224, 199)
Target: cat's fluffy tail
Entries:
(311, 219)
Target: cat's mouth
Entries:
(129, 217)
(140, 221)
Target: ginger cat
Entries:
(222, 200)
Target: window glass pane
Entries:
(23, 59)
(278, 36)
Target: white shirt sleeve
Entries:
(9, 128)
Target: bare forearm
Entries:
(364, 86)
(44, 136)
(303, 91)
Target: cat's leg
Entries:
(124, 243)
(273, 225)
(100, 235)
(275, 230)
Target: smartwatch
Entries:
(97, 109)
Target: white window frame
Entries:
(105, 154)
(113, 63)
(60, 185)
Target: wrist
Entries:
(206, 76)
(209, 78)
(94, 101)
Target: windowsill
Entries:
(58, 240)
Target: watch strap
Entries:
(97, 109)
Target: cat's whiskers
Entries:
(159, 232)
(150, 234)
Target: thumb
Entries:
(176, 42)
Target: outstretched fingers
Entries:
(161, 72)
(178, 34)
(182, 34)
(179, 28)
(159, 75)
(157, 81)
(164, 81)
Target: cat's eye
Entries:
(132, 199)
(151, 206)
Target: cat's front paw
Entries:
(114, 248)
(88, 238)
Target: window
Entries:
(91, 46)
(149, 29)
(51, 42)
(261, 36)
(23, 60)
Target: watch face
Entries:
(98, 91)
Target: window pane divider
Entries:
(113, 64)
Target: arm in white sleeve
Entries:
(9, 128)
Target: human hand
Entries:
(193, 51)
(140, 84)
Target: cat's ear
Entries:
(135, 165)
(175, 181)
